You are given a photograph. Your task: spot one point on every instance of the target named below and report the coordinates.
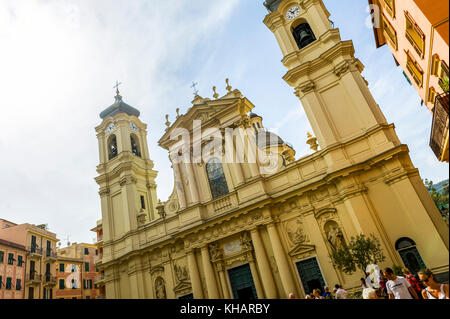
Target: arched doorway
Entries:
(407, 250)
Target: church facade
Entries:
(249, 220)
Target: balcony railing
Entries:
(33, 250)
(49, 279)
(50, 253)
(33, 277)
(439, 129)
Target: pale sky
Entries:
(59, 60)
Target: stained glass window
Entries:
(216, 177)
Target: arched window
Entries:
(303, 35)
(135, 149)
(112, 147)
(406, 247)
(216, 177)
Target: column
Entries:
(223, 282)
(179, 186)
(210, 278)
(192, 182)
(256, 280)
(252, 156)
(196, 283)
(235, 168)
(264, 267)
(280, 258)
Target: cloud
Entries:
(59, 62)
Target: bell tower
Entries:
(327, 79)
(375, 179)
(126, 176)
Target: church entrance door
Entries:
(242, 284)
(310, 275)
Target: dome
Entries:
(119, 106)
(272, 5)
(253, 115)
(267, 139)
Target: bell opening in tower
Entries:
(303, 35)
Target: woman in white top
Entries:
(433, 289)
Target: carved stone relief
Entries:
(181, 272)
(246, 240)
(295, 232)
(215, 252)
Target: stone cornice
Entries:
(344, 48)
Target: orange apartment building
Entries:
(100, 278)
(12, 270)
(39, 257)
(76, 272)
(417, 33)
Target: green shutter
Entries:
(8, 283)
(61, 267)
(86, 266)
(18, 284)
(2, 254)
(61, 284)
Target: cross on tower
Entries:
(117, 87)
(194, 84)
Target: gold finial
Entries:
(227, 81)
(167, 122)
(215, 93)
(178, 113)
(312, 142)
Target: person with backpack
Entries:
(413, 281)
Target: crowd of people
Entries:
(391, 286)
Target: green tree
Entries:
(358, 254)
(440, 199)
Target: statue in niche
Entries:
(160, 288)
(335, 237)
(246, 240)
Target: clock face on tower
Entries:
(133, 127)
(110, 128)
(292, 13)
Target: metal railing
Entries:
(50, 253)
(439, 129)
(49, 279)
(34, 250)
(33, 277)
